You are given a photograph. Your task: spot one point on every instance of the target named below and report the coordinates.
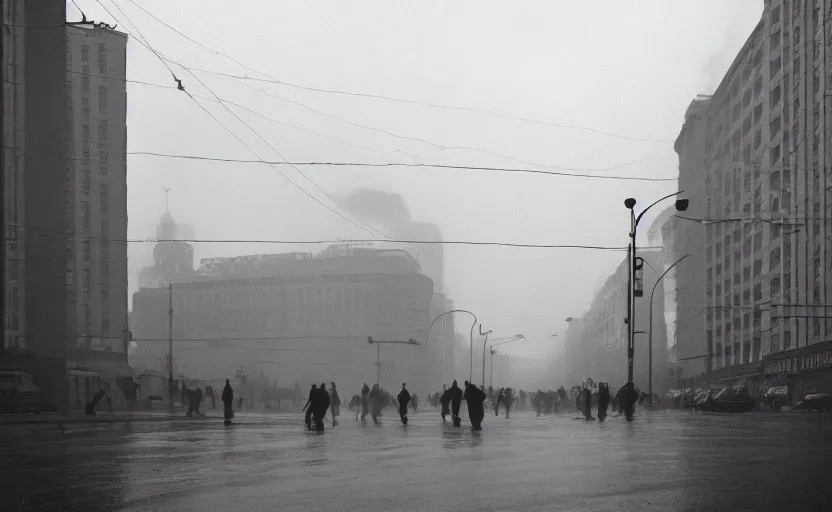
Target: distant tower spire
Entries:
(167, 198)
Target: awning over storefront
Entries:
(737, 381)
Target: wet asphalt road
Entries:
(664, 461)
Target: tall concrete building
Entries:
(686, 237)
(34, 138)
(768, 198)
(96, 200)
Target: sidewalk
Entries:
(100, 417)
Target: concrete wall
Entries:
(46, 125)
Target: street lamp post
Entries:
(650, 336)
(630, 203)
(470, 335)
(470, 379)
(378, 344)
(506, 340)
(491, 380)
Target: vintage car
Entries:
(729, 400)
(813, 401)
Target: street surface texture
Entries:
(663, 461)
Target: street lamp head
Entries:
(630, 203)
(682, 204)
(493, 351)
(370, 340)
(411, 341)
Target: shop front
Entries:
(802, 370)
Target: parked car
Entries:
(815, 402)
(18, 393)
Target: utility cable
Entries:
(143, 41)
(398, 164)
(271, 79)
(83, 236)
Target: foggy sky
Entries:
(625, 67)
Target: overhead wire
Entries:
(271, 79)
(399, 164)
(144, 42)
(441, 147)
(342, 241)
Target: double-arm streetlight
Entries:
(650, 336)
(378, 344)
(470, 336)
(630, 203)
(503, 341)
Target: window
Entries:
(774, 42)
(86, 315)
(774, 155)
(102, 58)
(85, 279)
(102, 99)
(105, 294)
(85, 53)
(775, 16)
(105, 199)
(85, 216)
(104, 162)
(102, 130)
(105, 268)
(105, 323)
(85, 249)
(85, 181)
(774, 67)
(787, 340)
(85, 133)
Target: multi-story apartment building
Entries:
(34, 223)
(768, 184)
(96, 200)
(596, 344)
(687, 237)
(12, 131)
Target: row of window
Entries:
(102, 56)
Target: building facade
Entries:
(295, 317)
(595, 345)
(96, 200)
(13, 152)
(768, 193)
(34, 157)
(687, 237)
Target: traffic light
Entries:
(638, 277)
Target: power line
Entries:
(361, 223)
(277, 121)
(146, 44)
(397, 164)
(441, 147)
(338, 241)
(270, 79)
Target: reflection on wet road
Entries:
(662, 461)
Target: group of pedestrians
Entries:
(451, 400)
(320, 400)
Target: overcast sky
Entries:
(628, 68)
